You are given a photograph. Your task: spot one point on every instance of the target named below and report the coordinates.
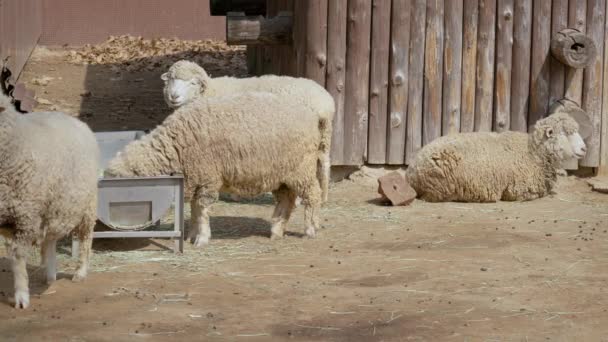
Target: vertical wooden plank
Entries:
(357, 81)
(286, 54)
(520, 78)
(484, 89)
(469, 65)
(577, 18)
(504, 50)
(251, 59)
(452, 66)
(433, 75)
(416, 80)
(381, 30)
(603, 169)
(336, 67)
(300, 8)
(399, 77)
(541, 41)
(593, 77)
(316, 40)
(559, 21)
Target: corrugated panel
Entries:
(77, 22)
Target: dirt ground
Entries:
(532, 271)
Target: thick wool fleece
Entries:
(244, 143)
(301, 91)
(48, 183)
(487, 166)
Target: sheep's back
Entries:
(55, 161)
(250, 140)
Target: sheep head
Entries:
(184, 81)
(557, 136)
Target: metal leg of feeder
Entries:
(178, 224)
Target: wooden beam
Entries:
(398, 81)
(378, 92)
(504, 52)
(452, 66)
(336, 70)
(484, 89)
(252, 30)
(592, 87)
(469, 65)
(520, 79)
(413, 141)
(573, 48)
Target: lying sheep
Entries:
(244, 143)
(185, 81)
(48, 188)
(487, 167)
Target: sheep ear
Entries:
(549, 132)
(164, 76)
(2, 109)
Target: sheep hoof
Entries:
(275, 237)
(310, 233)
(200, 241)
(22, 299)
(79, 276)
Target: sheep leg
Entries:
(85, 237)
(200, 231)
(17, 253)
(286, 201)
(49, 259)
(312, 204)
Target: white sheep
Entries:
(48, 189)
(246, 143)
(185, 81)
(487, 166)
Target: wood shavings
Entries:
(132, 53)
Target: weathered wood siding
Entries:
(404, 72)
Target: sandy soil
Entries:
(531, 271)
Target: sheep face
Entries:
(178, 92)
(559, 136)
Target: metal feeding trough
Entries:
(130, 205)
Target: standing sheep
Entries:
(487, 166)
(185, 81)
(244, 143)
(48, 189)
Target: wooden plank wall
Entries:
(404, 72)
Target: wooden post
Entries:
(520, 79)
(244, 30)
(416, 80)
(469, 65)
(452, 66)
(603, 168)
(541, 37)
(433, 75)
(336, 68)
(357, 81)
(577, 19)
(573, 48)
(378, 133)
(559, 21)
(485, 65)
(316, 40)
(399, 81)
(504, 47)
(592, 87)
